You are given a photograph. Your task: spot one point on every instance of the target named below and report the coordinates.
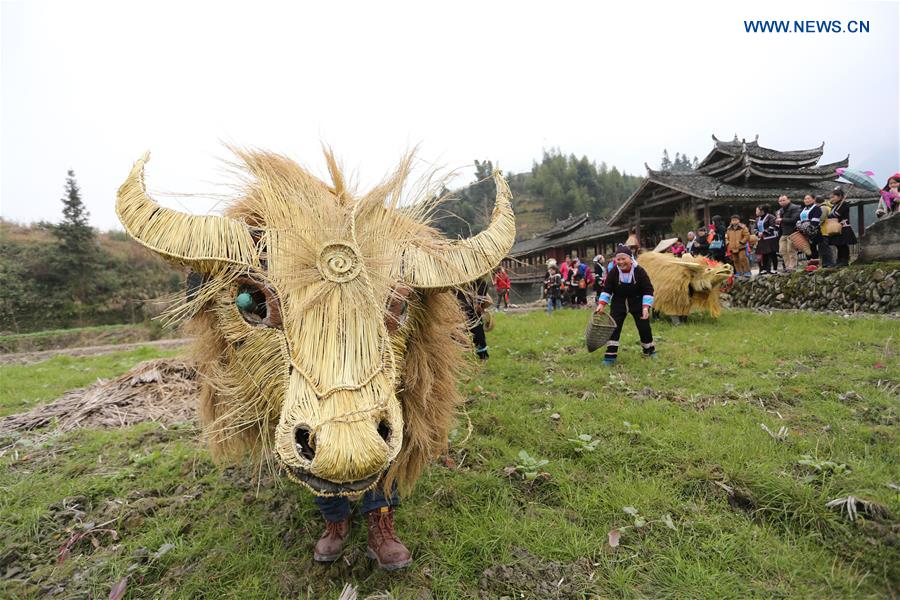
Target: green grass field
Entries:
(706, 503)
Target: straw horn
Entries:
(205, 243)
(445, 263)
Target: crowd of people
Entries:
(568, 282)
(819, 229)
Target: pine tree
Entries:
(665, 164)
(77, 251)
(74, 232)
(681, 163)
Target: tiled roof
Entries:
(754, 150)
(566, 225)
(709, 188)
(741, 171)
(585, 231)
(705, 187)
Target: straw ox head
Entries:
(329, 335)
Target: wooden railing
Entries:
(526, 272)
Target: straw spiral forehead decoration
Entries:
(327, 327)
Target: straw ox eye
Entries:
(257, 303)
(397, 308)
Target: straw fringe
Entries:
(430, 397)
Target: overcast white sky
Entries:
(90, 86)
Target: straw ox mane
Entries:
(339, 362)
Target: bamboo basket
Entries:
(487, 319)
(600, 328)
(833, 227)
(800, 242)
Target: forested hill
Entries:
(48, 286)
(558, 186)
(67, 274)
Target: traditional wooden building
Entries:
(576, 236)
(734, 178)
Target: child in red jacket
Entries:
(502, 283)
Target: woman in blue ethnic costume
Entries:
(627, 289)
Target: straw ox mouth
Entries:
(324, 486)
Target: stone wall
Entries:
(870, 288)
(882, 241)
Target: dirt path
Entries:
(24, 358)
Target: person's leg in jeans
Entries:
(843, 255)
(333, 508)
(825, 257)
(375, 498)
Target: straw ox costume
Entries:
(329, 335)
(685, 284)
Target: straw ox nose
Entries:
(306, 447)
(341, 456)
(341, 440)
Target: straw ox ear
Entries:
(204, 243)
(440, 263)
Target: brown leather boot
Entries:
(331, 544)
(384, 547)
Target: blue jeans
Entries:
(826, 258)
(553, 301)
(337, 508)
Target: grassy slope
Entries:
(695, 415)
(77, 337)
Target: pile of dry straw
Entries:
(163, 391)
